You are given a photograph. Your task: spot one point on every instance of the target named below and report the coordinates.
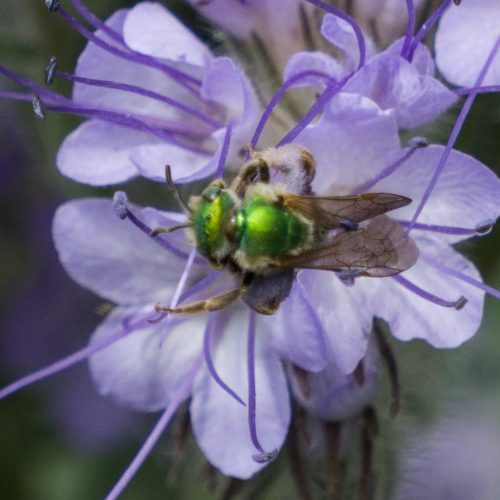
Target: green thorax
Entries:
(265, 229)
(208, 220)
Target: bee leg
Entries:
(256, 168)
(212, 303)
(165, 230)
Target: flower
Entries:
(159, 95)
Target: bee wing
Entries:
(380, 249)
(333, 211)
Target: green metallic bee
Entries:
(262, 230)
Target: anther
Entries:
(418, 142)
(38, 107)
(460, 303)
(50, 70)
(265, 456)
(485, 227)
(52, 5)
(457, 2)
(120, 201)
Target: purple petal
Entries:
(345, 319)
(353, 140)
(297, 332)
(411, 316)
(151, 29)
(312, 61)
(226, 85)
(397, 86)
(465, 37)
(339, 33)
(466, 195)
(137, 371)
(333, 395)
(220, 423)
(101, 252)
(98, 153)
(95, 62)
(187, 166)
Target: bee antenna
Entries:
(171, 186)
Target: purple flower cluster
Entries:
(153, 93)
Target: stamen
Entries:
(461, 276)
(262, 456)
(50, 70)
(486, 89)
(135, 90)
(52, 5)
(181, 393)
(224, 150)
(126, 120)
(331, 89)
(208, 359)
(410, 28)
(38, 107)
(414, 143)
(357, 30)
(453, 136)
(93, 20)
(273, 102)
(179, 76)
(180, 287)
(39, 90)
(479, 230)
(457, 304)
(72, 359)
(426, 27)
(120, 204)
(16, 96)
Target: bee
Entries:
(268, 223)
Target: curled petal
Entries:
(220, 423)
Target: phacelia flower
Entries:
(157, 96)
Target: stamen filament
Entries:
(453, 136)
(480, 90)
(126, 120)
(181, 393)
(331, 89)
(120, 204)
(410, 29)
(390, 169)
(262, 456)
(207, 339)
(273, 102)
(39, 90)
(455, 304)
(480, 230)
(426, 27)
(93, 20)
(224, 150)
(15, 96)
(141, 91)
(461, 276)
(357, 30)
(179, 76)
(72, 359)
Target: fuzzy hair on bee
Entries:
(268, 223)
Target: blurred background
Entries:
(61, 440)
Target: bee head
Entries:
(210, 214)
